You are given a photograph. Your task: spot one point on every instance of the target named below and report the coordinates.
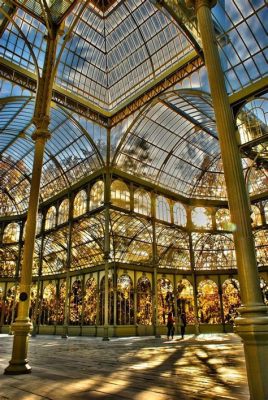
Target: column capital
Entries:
(41, 124)
(200, 3)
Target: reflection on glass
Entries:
(163, 209)
(50, 218)
(165, 300)
(80, 203)
(179, 214)
(125, 300)
(256, 216)
(201, 218)
(96, 197)
(144, 301)
(185, 300)
(142, 202)
(11, 233)
(120, 195)
(63, 212)
(110, 301)
(223, 219)
(90, 302)
(231, 299)
(208, 302)
(75, 303)
(48, 313)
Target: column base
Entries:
(252, 327)
(19, 361)
(18, 369)
(105, 334)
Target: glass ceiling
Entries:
(67, 158)
(107, 57)
(109, 53)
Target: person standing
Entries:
(183, 323)
(170, 325)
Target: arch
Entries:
(163, 209)
(165, 299)
(80, 203)
(90, 302)
(179, 214)
(120, 195)
(208, 301)
(50, 218)
(63, 215)
(125, 300)
(11, 233)
(223, 219)
(185, 300)
(144, 301)
(96, 196)
(142, 202)
(231, 299)
(201, 218)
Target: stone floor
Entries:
(200, 367)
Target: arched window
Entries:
(185, 300)
(75, 306)
(50, 218)
(179, 214)
(120, 195)
(125, 300)
(142, 202)
(110, 301)
(144, 301)
(80, 203)
(163, 209)
(223, 219)
(256, 216)
(49, 305)
(231, 299)
(208, 302)
(201, 218)
(96, 197)
(90, 302)
(11, 233)
(165, 300)
(63, 212)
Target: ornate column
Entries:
(23, 326)
(252, 325)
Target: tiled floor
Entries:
(139, 368)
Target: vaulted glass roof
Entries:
(109, 54)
